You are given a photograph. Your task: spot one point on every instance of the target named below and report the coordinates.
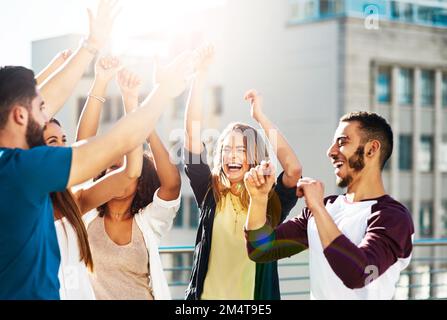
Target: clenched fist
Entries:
(259, 181)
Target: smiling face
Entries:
(54, 135)
(234, 157)
(347, 153)
(130, 189)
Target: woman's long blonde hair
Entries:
(256, 152)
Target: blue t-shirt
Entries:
(29, 251)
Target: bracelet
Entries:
(92, 50)
(100, 99)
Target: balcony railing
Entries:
(425, 278)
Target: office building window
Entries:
(444, 90)
(119, 108)
(426, 154)
(193, 213)
(218, 100)
(444, 219)
(401, 11)
(405, 87)
(408, 205)
(81, 104)
(309, 9)
(387, 166)
(302, 9)
(443, 155)
(178, 221)
(179, 105)
(180, 273)
(427, 88)
(405, 152)
(107, 112)
(431, 15)
(383, 85)
(330, 7)
(426, 220)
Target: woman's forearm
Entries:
(167, 171)
(284, 152)
(91, 114)
(193, 117)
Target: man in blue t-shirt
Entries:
(29, 253)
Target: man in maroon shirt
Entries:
(359, 242)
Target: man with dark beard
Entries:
(359, 242)
(29, 172)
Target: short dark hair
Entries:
(373, 127)
(17, 85)
(148, 184)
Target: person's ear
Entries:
(372, 148)
(20, 115)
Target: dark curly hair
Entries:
(148, 184)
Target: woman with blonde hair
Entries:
(222, 269)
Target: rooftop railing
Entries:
(424, 279)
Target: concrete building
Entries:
(313, 61)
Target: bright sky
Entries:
(22, 21)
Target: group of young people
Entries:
(100, 241)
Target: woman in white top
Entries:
(76, 257)
(125, 233)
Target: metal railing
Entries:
(425, 277)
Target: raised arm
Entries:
(105, 69)
(90, 158)
(286, 156)
(113, 184)
(194, 108)
(170, 182)
(55, 64)
(61, 84)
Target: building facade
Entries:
(313, 61)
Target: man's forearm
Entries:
(131, 131)
(46, 73)
(327, 229)
(61, 84)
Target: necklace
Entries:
(236, 211)
(119, 215)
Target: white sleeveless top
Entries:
(73, 274)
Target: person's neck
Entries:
(367, 186)
(119, 210)
(236, 188)
(9, 140)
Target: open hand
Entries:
(203, 57)
(101, 24)
(174, 77)
(129, 83)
